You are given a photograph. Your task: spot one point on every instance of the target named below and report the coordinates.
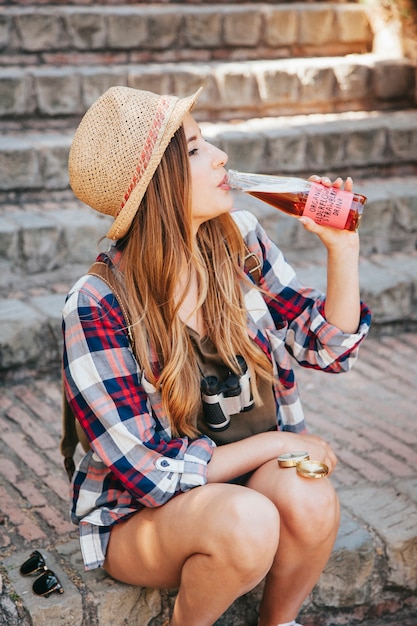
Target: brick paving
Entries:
(369, 415)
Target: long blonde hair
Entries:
(153, 254)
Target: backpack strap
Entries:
(103, 270)
(253, 265)
(72, 433)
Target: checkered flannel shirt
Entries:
(134, 461)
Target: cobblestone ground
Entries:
(369, 416)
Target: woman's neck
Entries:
(188, 311)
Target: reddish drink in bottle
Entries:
(328, 206)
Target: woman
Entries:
(175, 493)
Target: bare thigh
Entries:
(151, 547)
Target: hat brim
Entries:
(123, 221)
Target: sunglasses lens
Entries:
(34, 564)
(46, 584)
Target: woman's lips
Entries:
(224, 184)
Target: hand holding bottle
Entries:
(332, 237)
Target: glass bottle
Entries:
(327, 206)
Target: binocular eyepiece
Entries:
(221, 399)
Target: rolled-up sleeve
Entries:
(309, 337)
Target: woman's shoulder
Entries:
(92, 295)
(91, 286)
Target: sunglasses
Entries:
(47, 582)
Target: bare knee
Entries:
(248, 533)
(312, 511)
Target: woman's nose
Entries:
(220, 158)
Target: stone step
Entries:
(45, 248)
(46, 236)
(368, 143)
(118, 33)
(30, 317)
(46, 96)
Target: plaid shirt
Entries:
(134, 461)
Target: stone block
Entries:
(19, 164)
(203, 29)
(317, 83)
(325, 147)
(53, 158)
(286, 150)
(5, 29)
(150, 77)
(137, 605)
(395, 516)
(316, 25)
(352, 81)
(15, 93)
(21, 334)
(59, 609)
(38, 31)
(95, 81)
(280, 26)
(50, 306)
(376, 226)
(387, 293)
(9, 239)
(280, 85)
(163, 29)
(126, 29)
(39, 240)
(402, 136)
(81, 231)
(58, 92)
(7, 277)
(351, 575)
(352, 24)
(86, 29)
(405, 209)
(242, 27)
(246, 151)
(211, 98)
(408, 487)
(187, 79)
(240, 85)
(401, 265)
(365, 144)
(393, 80)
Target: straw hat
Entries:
(117, 148)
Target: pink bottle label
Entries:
(328, 206)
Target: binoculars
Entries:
(221, 399)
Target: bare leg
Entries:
(309, 513)
(214, 542)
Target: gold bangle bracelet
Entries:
(290, 459)
(312, 469)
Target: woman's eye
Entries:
(193, 151)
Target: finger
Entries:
(348, 184)
(338, 182)
(307, 222)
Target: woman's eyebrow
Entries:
(195, 136)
